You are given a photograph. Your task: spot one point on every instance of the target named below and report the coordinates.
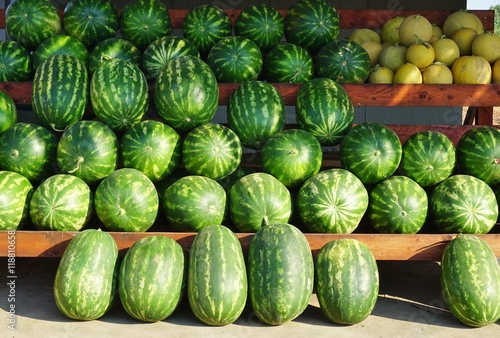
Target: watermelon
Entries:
(60, 44)
(62, 202)
(398, 204)
(151, 147)
(8, 112)
(114, 48)
(344, 61)
(193, 202)
(463, 204)
(428, 158)
(478, 153)
(288, 63)
(126, 200)
(85, 280)
(16, 64)
(332, 201)
(257, 200)
(255, 111)
(30, 22)
(91, 21)
(211, 150)
(28, 149)
(144, 21)
(312, 24)
(470, 281)
(292, 156)
(89, 150)
(280, 273)
(60, 91)
(347, 293)
(235, 59)
(261, 23)
(205, 25)
(15, 194)
(151, 277)
(186, 93)
(324, 109)
(164, 49)
(371, 151)
(217, 284)
(119, 94)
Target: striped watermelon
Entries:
(463, 204)
(144, 21)
(332, 201)
(292, 156)
(262, 24)
(91, 21)
(164, 49)
(60, 91)
(193, 202)
(255, 111)
(344, 61)
(30, 22)
(8, 112)
(398, 204)
(470, 281)
(347, 293)
(15, 194)
(28, 149)
(324, 109)
(288, 63)
(211, 150)
(62, 202)
(235, 59)
(186, 93)
(89, 150)
(119, 94)
(151, 278)
(478, 153)
(205, 25)
(60, 44)
(126, 200)
(428, 158)
(371, 151)
(85, 281)
(15, 62)
(217, 277)
(312, 24)
(257, 200)
(280, 273)
(151, 147)
(116, 47)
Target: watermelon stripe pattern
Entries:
(288, 63)
(15, 194)
(15, 62)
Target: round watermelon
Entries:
(235, 59)
(89, 150)
(116, 47)
(62, 202)
(8, 112)
(126, 200)
(371, 151)
(211, 150)
(144, 21)
(325, 110)
(262, 24)
(91, 21)
(288, 63)
(332, 201)
(15, 62)
(60, 44)
(15, 194)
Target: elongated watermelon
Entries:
(85, 281)
(151, 277)
(217, 276)
(15, 194)
(280, 273)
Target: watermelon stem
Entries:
(78, 162)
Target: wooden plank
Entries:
(383, 246)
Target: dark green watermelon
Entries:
(60, 44)
(8, 112)
(288, 63)
(115, 47)
(16, 63)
